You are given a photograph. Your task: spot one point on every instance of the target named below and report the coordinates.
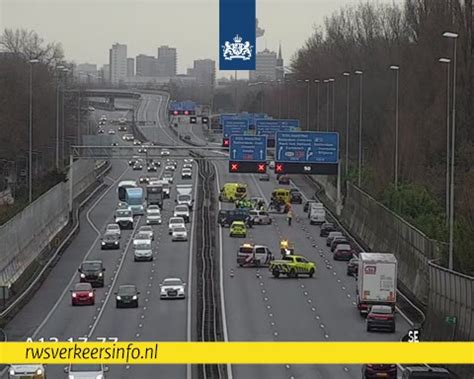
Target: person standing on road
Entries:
(290, 217)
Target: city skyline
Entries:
(137, 26)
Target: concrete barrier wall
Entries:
(83, 175)
(29, 232)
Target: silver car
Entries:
(142, 251)
(172, 288)
(179, 234)
(86, 371)
(153, 215)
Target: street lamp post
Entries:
(307, 104)
(347, 75)
(448, 63)
(454, 37)
(60, 68)
(333, 81)
(359, 178)
(30, 134)
(397, 70)
(317, 105)
(279, 97)
(287, 99)
(327, 104)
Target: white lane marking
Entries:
(66, 289)
(122, 259)
(221, 277)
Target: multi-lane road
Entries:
(256, 306)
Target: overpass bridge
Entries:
(108, 94)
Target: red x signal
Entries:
(186, 113)
(278, 167)
(262, 167)
(175, 113)
(225, 142)
(234, 167)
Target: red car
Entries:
(83, 294)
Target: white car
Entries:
(188, 160)
(181, 211)
(271, 165)
(26, 371)
(172, 288)
(153, 215)
(86, 371)
(103, 118)
(127, 137)
(124, 218)
(113, 228)
(111, 131)
(168, 176)
(142, 250)
(170, 167)
(174, 223)
(141, 238)
(147, 230)
(186, 174)
(165, 152)
(137, 142)
(179, 234)
(188, 165)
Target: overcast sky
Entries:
(87, 28)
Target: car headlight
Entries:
(134, 297)
(12, 372)
(103, 243)
(116, 242)
(100, 376)
(71, 376)
(83, 275)
(119, 298)
(100, 274)
(39, 371)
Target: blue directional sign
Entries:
(235, 126)
(248, 148)
(307, 152)
(268, 127)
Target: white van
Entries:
(317, 216)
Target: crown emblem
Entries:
(237, 49)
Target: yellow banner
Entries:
(237, 352)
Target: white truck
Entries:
(377, 281)
(184, 195)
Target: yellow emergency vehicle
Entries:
(233, 191)
(281, 195)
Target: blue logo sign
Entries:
(307, 147)
(268, 127)
(237, 34)
(248, 148)
(235, 126)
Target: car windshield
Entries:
(127, 290)
(83, 287)
(381, 310)
(181, 208)
(142, 236)
(245, 249)
(241, 190)
(153, 211)
(91, 266)
(184, 197)
(180, 230)
(146, 229)
(143, 246)
(176, 221)
(172, 282)
(113, 227)
(110, 237)
(85, 368)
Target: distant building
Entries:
(146, 65)
(204, 70)
(87, 68)
(130, 67)
(167, 61)
(118, 63)
(266, 63)
(280, 70)
(104, 73)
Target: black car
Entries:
(283, 179)
(101, 131)
(225, 218)
(295, 196)
(326, 228)
(110, 241)
(92, 272)
(264, 178)
(137, 166)
(353, 266)
(420, 372)
(370, 371)
(127, 296)
(152, 168)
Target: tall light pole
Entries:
(454, 37)
(448, 63)
(327, 104)
(333, 81)
(287, 99)
(30, 134)
(279, 97)
(359, 177)
(317, 104)
(307, 104)
(299, 102)
(347, 75)
(59, 68)
(63, 143)
(397, 70)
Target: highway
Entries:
(257, 306)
